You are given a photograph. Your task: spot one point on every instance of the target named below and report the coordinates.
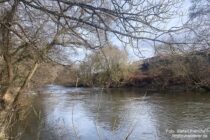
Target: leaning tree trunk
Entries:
(27, 80)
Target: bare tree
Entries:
(106, 67)
(199, 14)
(30, 29)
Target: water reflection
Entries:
(92, 114)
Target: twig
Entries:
(72, 120)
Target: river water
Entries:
(119, 114)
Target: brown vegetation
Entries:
(188, 71)
(108, 67)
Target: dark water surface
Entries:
(120, 114)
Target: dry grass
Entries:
(11, 117)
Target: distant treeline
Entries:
(112, 69)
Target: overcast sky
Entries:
(146, 49)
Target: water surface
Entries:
(120, 114)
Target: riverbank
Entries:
(190, 71)
(13, 121)
(151, 82)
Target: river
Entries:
(119, 114)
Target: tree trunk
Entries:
(77, 81)
(27, 80)
(6, 45)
